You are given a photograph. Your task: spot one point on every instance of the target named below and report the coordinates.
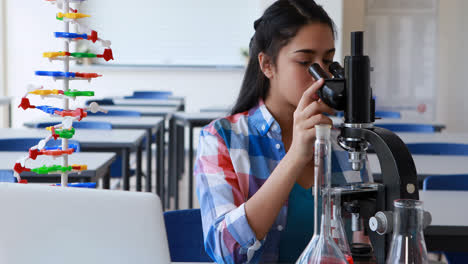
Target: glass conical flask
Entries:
(322, 248)
(337, 227)
(408, 245)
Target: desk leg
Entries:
(190, 172)
(149, 138)
(138, 168)
(180, 161)
(126, 169)
(176, 163)
(160, 164)
(159, 145)
(171, 163)
(106, 180)
(162, 160)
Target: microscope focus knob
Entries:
(427, 219)
(382, 222)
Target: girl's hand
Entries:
(308, 114)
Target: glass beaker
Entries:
(408, 245)
(337, 227)
(322, 248)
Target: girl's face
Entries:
(289, 76)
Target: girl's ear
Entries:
(265, 65)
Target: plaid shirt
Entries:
(236, 155)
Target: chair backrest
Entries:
(387, 114)
(116, 113)
(149, 95)
(80, 125)
(438, 148)
(420, 128)
(88, 185)
(105, 101)
(381, 114)
(7, 176)
(446, 182)
(449, 183)
(24, 144)
(185, 235)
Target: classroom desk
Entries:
(216, 109)
(98, 166)
(118, 141)
(151, 125)
(144, 110)
(449, 228)
(148, 102)
(427, 165)
(178, 103)
(337, 121)
(176, 150)
(443, 137)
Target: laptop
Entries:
(55, 225)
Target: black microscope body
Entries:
(350, 92)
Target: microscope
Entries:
(350, 91)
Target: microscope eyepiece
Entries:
(336, 70)
(357, 45)
(333, 91)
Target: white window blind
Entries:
(401, 40)
(175, 32)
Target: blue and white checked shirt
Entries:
(236, 155)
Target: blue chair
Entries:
(116, 167)
(105, 101)
(420, 128)
(149, 95)
(24, 144)
(449, 183)
(381, 114)
(116, 113)
(388, 114)
(80, 125)
(185, 236)
(7, 176)
(85, 185)
(438, 148)
(446, 182)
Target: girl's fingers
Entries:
(315, 108)
(316, 120)
(309, 95)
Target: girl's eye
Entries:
(305, 63)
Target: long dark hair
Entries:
(278, 25)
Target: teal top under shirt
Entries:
(299, 225)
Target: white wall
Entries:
(451, 87)
(29, 33)
(452, 107)
(3, 112)
(335, 9)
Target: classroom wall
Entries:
(201, 87)
(28, 33)
(3, 89)
(452, 89)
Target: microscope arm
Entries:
(397, 165)
(398, 177)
